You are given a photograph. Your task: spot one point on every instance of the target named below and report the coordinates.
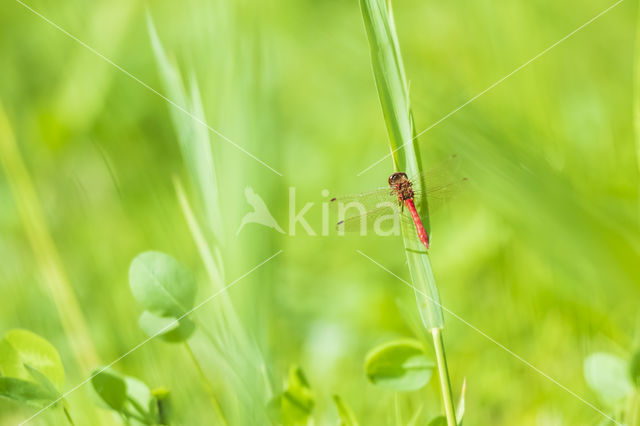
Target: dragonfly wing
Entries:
(439, 195)
(440, 184)
(384, 220)
(368, 200)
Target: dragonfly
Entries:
(402, 199)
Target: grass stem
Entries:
(47, 258)
(389, 73)
(68, 415)
(445, 384)
(636, 97)
(207, 384)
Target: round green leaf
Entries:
(634, 369)
(607, 375)
(167, 328)
(22, 352)
(139, 400)
(41, 379)
(400, 365)
(127, 395)
(111, 388)
(161, 284)
(138, 392)
(10, 363)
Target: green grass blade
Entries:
(47, 257)
(46, 254)
(636, 97)
(391, 82)
(390, 79)
(239, 354)
(389, 74)
(193, 136)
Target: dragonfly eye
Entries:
(396, 178)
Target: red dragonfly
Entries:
(391, 202)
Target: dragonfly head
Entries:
(397, 178)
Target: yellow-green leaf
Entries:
(400, 365)
(161, 284)
(168, 329)
(111, 388)
(21, 348)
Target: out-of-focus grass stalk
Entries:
(391, 82)
(107, 25)
(636, 98)
(207, 384)
(229, 317)
(633, 409)
(239, 353)
(47, 257)
(67, 415)
(195, 145)
(193, 137)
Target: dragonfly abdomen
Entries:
(422, 234)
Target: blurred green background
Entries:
(540, 251)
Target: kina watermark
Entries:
(377, 213)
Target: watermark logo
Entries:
(260, 214)
(336, 216)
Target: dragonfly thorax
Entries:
(401, 185)
(396, 178)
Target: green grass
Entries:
(540, 250)
(47, 258)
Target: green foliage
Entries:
(130, 397)
(32, 371)
(193, 136)
(607, 375)
(141, 399)
(167, 291)
(438, 421)
(400, 365)
(346, 414)
(236, 352)
(634, 369)
(295, 405)
(26, 392)
(21, 349)
(169, 329)
(161, 285)
(546, 235)
(160, 405)
(111, 388)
